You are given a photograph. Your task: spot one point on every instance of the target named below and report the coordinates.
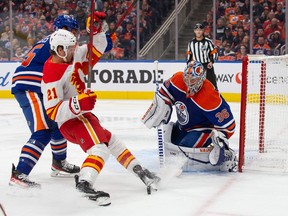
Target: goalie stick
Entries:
(160, 127)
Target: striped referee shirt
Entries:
(203, 51)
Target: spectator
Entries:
(259, 33)
(110, 16)
(257, 8)
(19, 55)
(241, 53)
(3, 54)
(231, 9)
(261, 47)
(220, 28)
(264, 16)
(228, 35)
(228, 54)
(128, 39)
(279, 14)
(271, 15)
(275, 42)
(239, 36)
(274, 26)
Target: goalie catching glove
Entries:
(99, 22)
(82, 102)
(158, 112)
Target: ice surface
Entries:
(190, 194)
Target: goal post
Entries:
(263, 140)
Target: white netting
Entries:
(266, 140)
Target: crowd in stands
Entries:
(33, 20)
(233, 28)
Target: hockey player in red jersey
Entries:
(27, 91)
(204, 120)
(69, 104)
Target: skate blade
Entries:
(101, 201)
(20, 191)
(152, 187)
(62, 174)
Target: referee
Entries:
(202, 49)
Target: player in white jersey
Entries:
(68, 102)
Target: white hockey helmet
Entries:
(62, 38)
(194, 76)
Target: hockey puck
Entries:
(148, 190)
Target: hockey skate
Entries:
(21, 180)
(148, 178)
(62, 168)
(102, 198)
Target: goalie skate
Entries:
(21, 180)
(100, 197)
(62, 168)
(147, 177)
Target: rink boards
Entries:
(137, 79)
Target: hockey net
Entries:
(263, 144)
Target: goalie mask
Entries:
(194, 76)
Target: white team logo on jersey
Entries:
(182, 113)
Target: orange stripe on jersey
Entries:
(55, 147)
(39, 123)
(202, 140)
(27, 78)
(230, 132)
(90, 129)
(31, 152)
(125, 158)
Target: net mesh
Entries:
(266, 125)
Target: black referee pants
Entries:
(210, 75)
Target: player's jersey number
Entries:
(51, 94)
(224, 114)
(30, 56)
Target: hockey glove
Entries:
(82, 102)
(99, 17)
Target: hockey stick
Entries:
(129, 9)
(90, 46)
(3, 210)
(160, 127)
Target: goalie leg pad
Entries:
(231, 162)
(157, 113)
